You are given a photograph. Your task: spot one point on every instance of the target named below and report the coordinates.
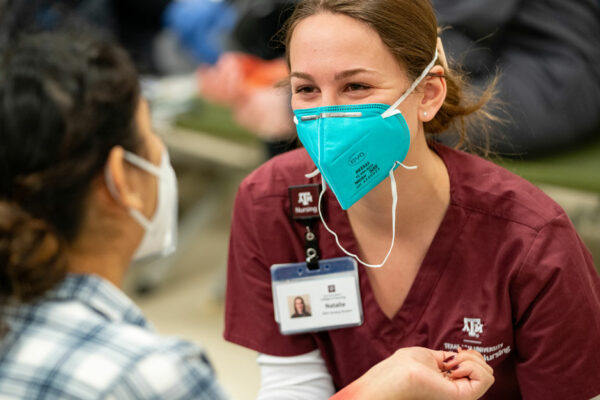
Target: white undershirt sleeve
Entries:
(294, 378)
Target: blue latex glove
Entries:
(202, 26)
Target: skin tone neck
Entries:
(98, 253)
(109, 236)
(423, 195)
(108, 263)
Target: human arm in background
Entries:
(248, 85)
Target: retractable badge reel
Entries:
(314, 294)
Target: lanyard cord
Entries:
(394, 206)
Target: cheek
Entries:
(409, 112)
(150, 194)
(298, 102)
(295, 103)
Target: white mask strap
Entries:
(392, 110)
(394, 204)
(411, 167)
(142, 163)
(140, 218)
(313, 174)
(146, 166)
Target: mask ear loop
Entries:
(146, 166)
(394, 206)
(135, 214)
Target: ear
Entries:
(121, 189)
(434, 94)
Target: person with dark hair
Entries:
(85, 187)
(300, 308)
(440, 248)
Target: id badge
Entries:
(316, 300)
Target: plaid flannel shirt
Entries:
(86, 339)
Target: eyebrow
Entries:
(301, 75)
(350, 72)
(337, 77)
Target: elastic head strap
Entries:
(442, 54)
(392, 110)
(337, 240)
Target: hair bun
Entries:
(31, 254)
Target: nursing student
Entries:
(86, 187)
(397, 240)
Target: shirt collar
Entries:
(100, 295)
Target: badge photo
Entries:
(308, 300)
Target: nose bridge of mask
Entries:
(347, 140)
(321, 116)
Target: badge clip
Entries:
(304, 208)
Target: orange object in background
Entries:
(236, 75)
(248, 85)
(259, 73)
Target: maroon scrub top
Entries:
(506, 274)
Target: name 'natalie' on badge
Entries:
(308, 300)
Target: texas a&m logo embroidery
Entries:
(304, 201)
(473, 326)
(305, 198)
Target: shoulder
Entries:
(73, 343)
(172, 368)
(482, 187)
(139, 363)
(273, 178)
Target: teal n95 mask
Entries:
(355, 147)
(160, 232)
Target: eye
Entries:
(351, 87)
(305, 89)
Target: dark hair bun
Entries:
(30, 254)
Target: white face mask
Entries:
(160, 237)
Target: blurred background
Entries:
(212, 72)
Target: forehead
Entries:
(336, 41)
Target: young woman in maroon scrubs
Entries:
(481, 259)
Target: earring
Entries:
(425, 113)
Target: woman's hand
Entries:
(418, 373)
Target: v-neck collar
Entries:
(406, 319)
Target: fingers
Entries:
(473, 375)
(466, 355)
(468, 369)
(443, 357)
